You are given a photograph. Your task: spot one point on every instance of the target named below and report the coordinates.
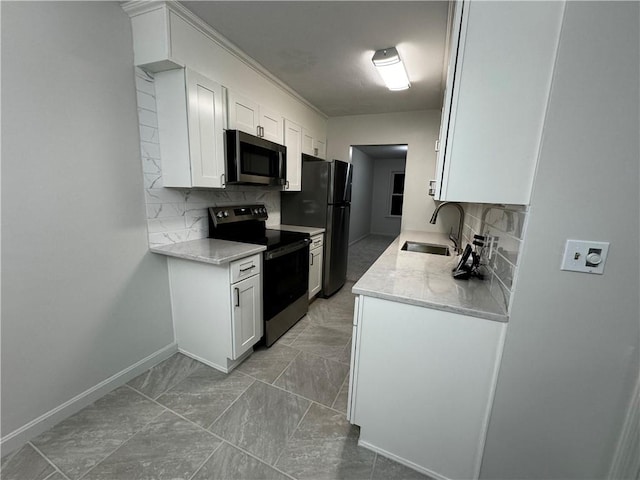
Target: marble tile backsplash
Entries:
(180, 214)
(503, 226)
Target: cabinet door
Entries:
(205, 123)
(270, 125)
(320, 148)
(315, 271)
(427, 398)
(441, 143)
(307, 142)
(246, 320)
(244, 113)
(503, 69)
(293, 142)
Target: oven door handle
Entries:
(279, 252)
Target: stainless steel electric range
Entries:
(285, 263)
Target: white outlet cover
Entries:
(575, 256)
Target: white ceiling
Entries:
(323, 49)
(385, 152)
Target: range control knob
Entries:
(220, 215)
(226, 214)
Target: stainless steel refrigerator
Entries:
(324, 201)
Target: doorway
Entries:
(377, 201)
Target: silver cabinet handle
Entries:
(312, 258)
(237, 294)
(242, 270)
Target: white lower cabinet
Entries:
(315, 264)
(217, 309)
(422, 383)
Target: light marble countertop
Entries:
(209, 250)
(424, 279)
(298, 228)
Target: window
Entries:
(397, 194)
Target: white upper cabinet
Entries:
(313, 145)
(190, 124)
(167, 36)
(498, 83)
(293, 142)
(249, 116)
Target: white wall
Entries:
(572, 350)
(361, 191)
(381, 222)
(83, 299)
(419, 131)
(180, 214)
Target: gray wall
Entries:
(571, 355)
(381, 222)
(361, 189)
(82, 298)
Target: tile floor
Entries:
(279, 415)
(363, 253)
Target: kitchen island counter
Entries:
(424, 279)
(209, 250)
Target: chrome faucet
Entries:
(457, 241)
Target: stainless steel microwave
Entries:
(254, 160)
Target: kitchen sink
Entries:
(432, 248)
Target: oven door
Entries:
(253, 160)
(286, 277)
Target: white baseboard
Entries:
(359, 238)
(44, 422)
(402, 461)
(226, 368)
(626, 461)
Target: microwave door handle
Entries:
(238, 162)
(283, 172)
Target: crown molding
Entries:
(138, 7)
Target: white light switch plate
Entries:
(585, 256)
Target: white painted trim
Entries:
(402, 461)
(44, 422)
(492, 393)
(359, 238)
(353, 364)
(134, 8)
(626, 461)
(387, 234)
(231, 364)
(139, 7)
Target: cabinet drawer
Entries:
(316, 241)
(245, 267)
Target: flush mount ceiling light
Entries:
(391, 69)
